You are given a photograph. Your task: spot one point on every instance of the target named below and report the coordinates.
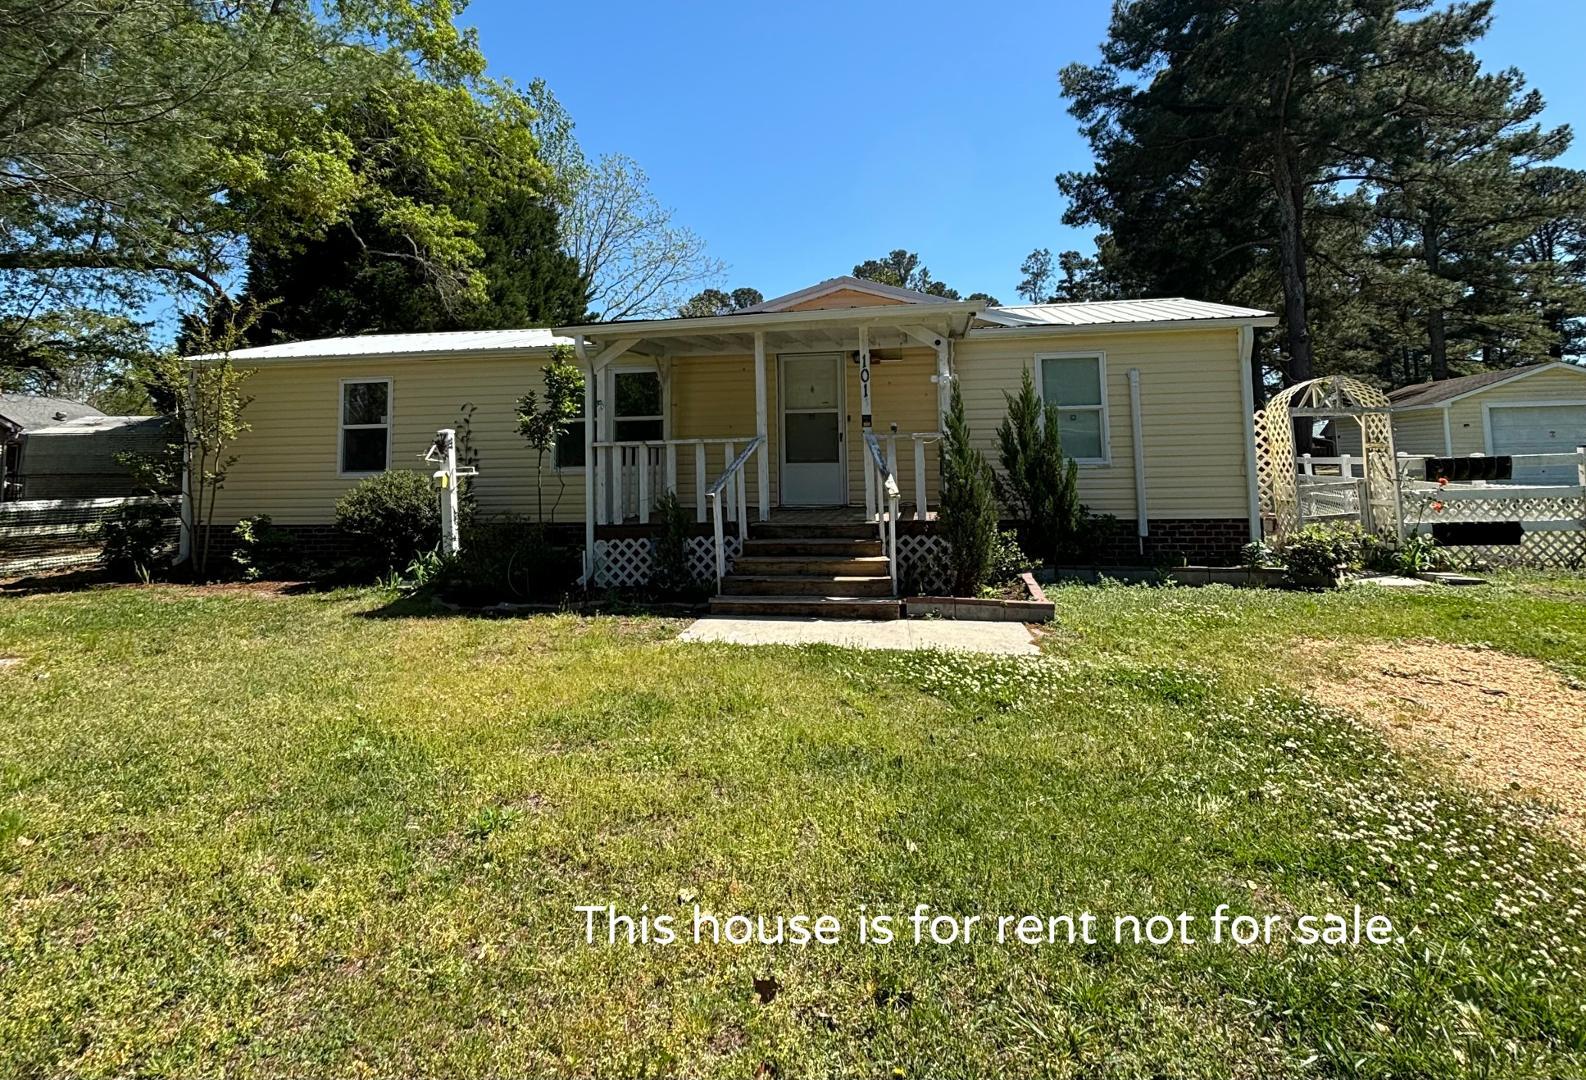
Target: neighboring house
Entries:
(85, 458)
(1154, 397)
(1539, 409)
(21, 413)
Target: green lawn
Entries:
(322, 835)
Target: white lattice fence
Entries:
(922, 564)
(1554, 526)
(628, 562)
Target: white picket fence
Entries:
(55, 534)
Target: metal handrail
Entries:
(731, 480)
(888, 528)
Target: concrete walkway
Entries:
(966, 636)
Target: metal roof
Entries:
(1420, 395)
(26, 411)
(1104, 312)
(457, 341)
(91, 425)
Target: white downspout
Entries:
(589, 458)
(1247, 339)
(1142, 514)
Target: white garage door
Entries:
(1539, 429)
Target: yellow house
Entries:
(810, 419)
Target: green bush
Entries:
(264, 552)
(1038, 485)
(1322, 552)
(135, 542)
(503, 560)
(1415, 554)
(1008, 559)
(397, 514)
(968, 511)
(670, 570)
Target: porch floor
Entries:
(828, 515)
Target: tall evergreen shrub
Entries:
(968, 511)
(1038, 485)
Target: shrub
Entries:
(968, 511)
(1415, 554)
(135, 542)
(396, 513)
(1038, 485)
(1322, 552)
(1008, 559)
(670, 569)
(507, 559)
(264, 551)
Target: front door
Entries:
(811, 395)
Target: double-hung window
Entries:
(365, 426)
(1077, 385)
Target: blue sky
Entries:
(800, 139)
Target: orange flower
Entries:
(1442, 481)
(1437, 507)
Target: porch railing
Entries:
(920, 439)
(882, 477)
(630, 476)
(727, 499)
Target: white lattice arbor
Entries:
(1339, 398)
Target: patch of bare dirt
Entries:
(1509, 724)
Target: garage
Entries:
(1538, 429)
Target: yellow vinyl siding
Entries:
(1417, 432)
(1190, 403)
(1193, 430)
(287, 462)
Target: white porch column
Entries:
(589, 458)
(762, 427)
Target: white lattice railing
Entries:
(1552, 517)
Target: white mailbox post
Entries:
(444, 453)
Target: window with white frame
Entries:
(365, 426)
(639, 415)
(1077, 385)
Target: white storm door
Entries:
(811, 398)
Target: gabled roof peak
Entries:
(831, 287)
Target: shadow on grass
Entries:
(60, 581)
(426, 606)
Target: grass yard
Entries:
(249, 835)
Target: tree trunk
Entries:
(1436, 332)
(1291, 264)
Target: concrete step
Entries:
(757, 565)
(819, 607)
(771, 530)
(736, 584)
(816, 545)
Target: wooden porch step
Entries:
(774, 530)
(819, 607)
(757, 565)
(828, 585)
(757, 546)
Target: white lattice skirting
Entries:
(922, 565)
(628, 562)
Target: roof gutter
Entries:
(1262, 321)
(887, 314)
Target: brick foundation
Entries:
(1192, 541)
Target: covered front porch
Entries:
(824, 417)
